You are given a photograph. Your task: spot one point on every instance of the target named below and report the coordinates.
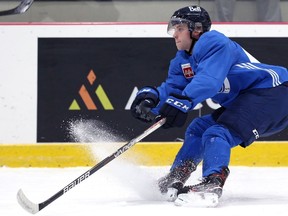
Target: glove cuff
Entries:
(150, 93)
(180, 102)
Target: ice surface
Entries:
(126, 189)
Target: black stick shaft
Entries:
(102, 163)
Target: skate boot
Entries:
(175, 180)
(205, 193)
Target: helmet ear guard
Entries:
(198, 27)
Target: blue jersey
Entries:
(219, 69)
(176, 80)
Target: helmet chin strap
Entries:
(194, 40)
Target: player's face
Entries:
(182, 37)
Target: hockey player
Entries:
(253, 98)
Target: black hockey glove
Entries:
(147, 98)
(175, 109)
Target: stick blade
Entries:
(21, 8)
(24, 6)
(26, 203)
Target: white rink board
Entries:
(18, 43)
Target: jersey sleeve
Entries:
(175, 81)
(213, 56)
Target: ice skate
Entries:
(204, 194)
(170, 184)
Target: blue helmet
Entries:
(197, 18)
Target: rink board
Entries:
(144, 153)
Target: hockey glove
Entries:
(146, 99)
(175, 109)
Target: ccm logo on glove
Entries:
(183, 105)
(175, 110)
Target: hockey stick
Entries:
(21, 8)
(34, 208)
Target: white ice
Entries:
(124, 188)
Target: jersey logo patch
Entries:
(187, 70)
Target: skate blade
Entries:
(197, 200)
(171, 195)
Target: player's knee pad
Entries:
(218, 131)
(199, 125)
